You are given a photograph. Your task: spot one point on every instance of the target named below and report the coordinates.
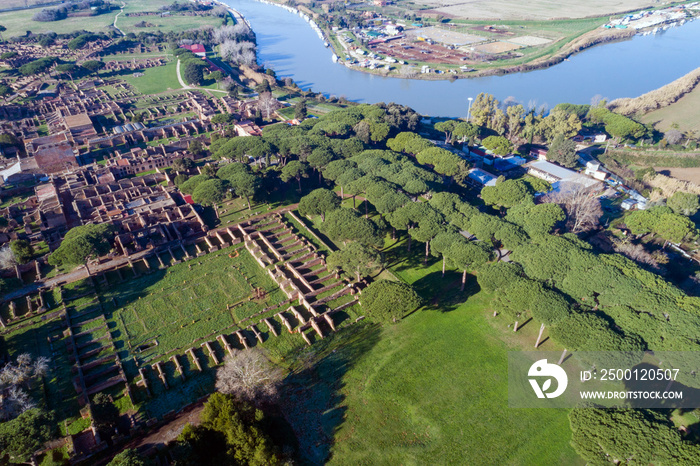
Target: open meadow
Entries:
(8, 4)
(538, 9)
(154, 80)
(429, 390)
(684, 112)
(19, 22)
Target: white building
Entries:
(559, 176)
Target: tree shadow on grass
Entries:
(444, 294)
(311, 398)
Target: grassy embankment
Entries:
(680, 105)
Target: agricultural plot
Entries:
(19, 22)
(534, 10)
(444, 36)
(684, 113)
(530, 41)
(496, 47)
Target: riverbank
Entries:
(658, 98)
(387, 47)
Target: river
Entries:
(287, 44)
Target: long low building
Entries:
(557, 176)
(480, 178)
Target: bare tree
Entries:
(408, 71)
(7, 258)
(639, 254)
(596, 100)
(674, 136)
(41, 366)
(231, 33)
(249, 375)
(14, 400)
(267, 103)
(580, 204)
(238, 52)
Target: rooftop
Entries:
(482, 177)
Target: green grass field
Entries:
(429, 390)
(172, 23)
(684, 112)
(179, 305)
(19, 22)
(155, 80)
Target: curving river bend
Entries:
(287, 44)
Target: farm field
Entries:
(685, 174)
(7, 4)
(538, 9)
(684, 112)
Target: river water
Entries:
(287, 44)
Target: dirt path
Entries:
(187, 86)
(75, 275)
(115, 20)
(82, 273)
(169, 432)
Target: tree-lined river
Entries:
(287, 44)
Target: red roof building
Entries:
(197, 49)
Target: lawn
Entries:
(684, 112)
(19, 22)
(188, 301)
(538, 9)
(155, 80)
(435, 386)
(173, 23)
(429, 390)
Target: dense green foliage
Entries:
(231, 432)
(498, 145)
(641, 436)
(661, 221)
(209, 192)
(618, 126)
(684, 203)
(22, 249)
(41, 65)
(319, 202)
(128, 457)
(22, 436)
(507, 193)
(81, 244)
(93, 66)
(355, 259)
(191, 184)
(563, 151)
(387, 301)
